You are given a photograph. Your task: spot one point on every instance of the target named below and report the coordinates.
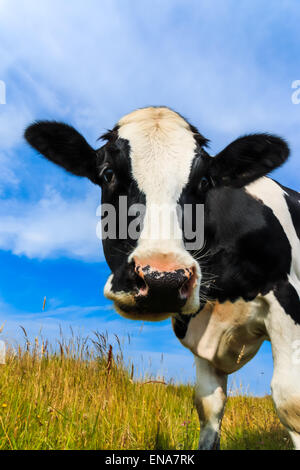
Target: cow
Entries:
(226, 297)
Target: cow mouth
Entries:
(135, 313)
(129, 305)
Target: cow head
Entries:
(154, 158)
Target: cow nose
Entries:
(179, 282)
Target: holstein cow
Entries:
(241, 288)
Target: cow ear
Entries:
(247, 159)
(63, 145)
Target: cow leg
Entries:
(210, 399)
(284, 333)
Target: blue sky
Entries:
(227, 66)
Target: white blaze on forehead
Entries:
(162, 149)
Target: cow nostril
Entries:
(188, 284)
(141, 284)
(184, 290)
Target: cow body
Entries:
(225, 336)
(241, 287)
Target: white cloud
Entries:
(94, 62)
(53, 226)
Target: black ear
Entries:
(63, 145)
(247, 159)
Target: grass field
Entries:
(83, 397)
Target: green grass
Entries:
(85, 398)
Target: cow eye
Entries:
(108, 175)
(203, 184)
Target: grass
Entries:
(81, 396)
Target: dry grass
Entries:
(83, 397)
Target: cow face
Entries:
(155, 159)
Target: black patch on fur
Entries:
(181, 322)
(288, 298)
(116, 251)
(248, 250)
(180, 326)
(124, 277)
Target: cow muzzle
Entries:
(175, 283)
(163, 287)
(158, 288)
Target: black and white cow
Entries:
(241, 288)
